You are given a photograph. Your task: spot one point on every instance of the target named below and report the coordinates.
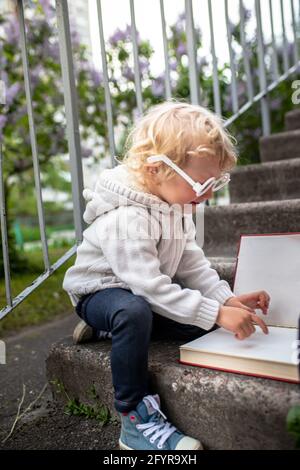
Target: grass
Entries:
(45, 303)
(98, 411)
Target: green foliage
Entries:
(74, 407)
(49, 111)
(293, 423)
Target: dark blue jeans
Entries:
(132, 324)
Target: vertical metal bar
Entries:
(217, 98)
(137, 77)
(192, 54)
(274, 48)
(108, 105)
(262, 72)
(285, 45)
(36, 166)
(294, 26)
(70, 99)
(5, 251)
(246, 60)
(234, 96)
(166, 53)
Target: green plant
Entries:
(74, 407)
(293, 423)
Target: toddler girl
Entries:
(139, 272)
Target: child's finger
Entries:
(263, 303)
(260, 323)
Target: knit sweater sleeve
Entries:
(135, 261)
(194, 270)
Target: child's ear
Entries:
(152, 168)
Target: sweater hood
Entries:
(116, 187)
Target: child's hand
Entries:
(239, 321)
(259, 299)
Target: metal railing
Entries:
(70, 100)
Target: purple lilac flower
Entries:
(85, 152)
(97, 76)
(35, 74)
(144, 66)
(158, 86)
(51, 49)
(117, 36)
(275, 104)
(3, 120)
(48, 10)
(12, 31)
(181, 49)
(11, 93)
(128, 72)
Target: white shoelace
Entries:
(162, 430)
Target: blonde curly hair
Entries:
(178, 130)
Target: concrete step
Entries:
(223, 410)
(281, 146)
(225, 268)
(224, 224)
(266, 181)
(292, 120)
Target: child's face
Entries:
(178, 191)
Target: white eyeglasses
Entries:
(199, 188)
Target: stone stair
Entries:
(281, 146)
(265, 197)
(266, 181)
(223, 410)
(292, 120)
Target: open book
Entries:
(269, 262)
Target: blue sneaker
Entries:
(147, 428)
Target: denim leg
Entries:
(129, 319)
(166, 328)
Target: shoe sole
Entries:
(124, 447)
(80, 333)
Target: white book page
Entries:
(277, 346)
(272, 263)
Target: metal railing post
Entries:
(36, 165)
(217, 98)
(71, 106)
(192, 54)
(168, 93)
(4, 235)
(137, 76)
(266, 125)
(108, 104)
